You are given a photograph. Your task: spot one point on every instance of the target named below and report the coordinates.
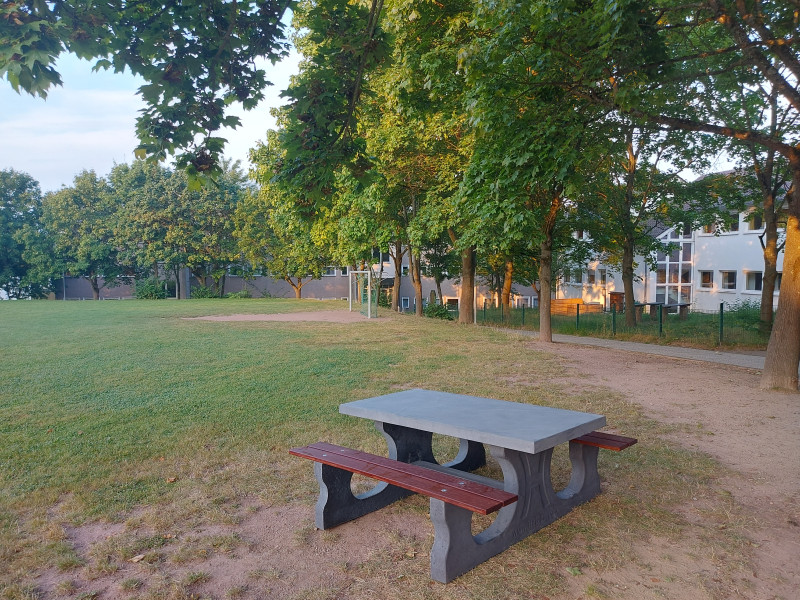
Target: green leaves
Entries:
(195, 56)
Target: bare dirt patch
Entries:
(721, 411)
(321, 316)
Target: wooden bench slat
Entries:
(609, 441)
(444, 486)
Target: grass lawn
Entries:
(122, 412)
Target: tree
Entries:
(440, 262)
(197, 58)
(273, 236)
(155, 228)
(212, 247)
(636, 192)
(26, 263)
(674, 65)
(81, 220)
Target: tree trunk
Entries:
(93, 281)
(783, 351)
(397, 258)
(627, 282)
(546, 269)
(770, 244)
(439, 290)
(505, 297)
(545, 290)
(416, 280)
(178, 287)
(466, 309)
(297, 287)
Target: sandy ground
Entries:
(755, 434)
(322, 316)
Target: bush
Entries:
(437, 311)
(202, 291)
(745, 312)
(149, 289)
(239, 294)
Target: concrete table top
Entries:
(525, 427)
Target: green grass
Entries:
(125, 412)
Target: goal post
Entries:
(363, 293)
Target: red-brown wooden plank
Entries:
(609, 441)
(438, 477)
(449, 488)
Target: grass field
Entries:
(122, 412)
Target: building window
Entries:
(343, 271)
(590, 277)
(755, 222)
(329, 271)
(706, 279)
(753, 281)
(778, 278)
(577, 276)
(674, 273)
(728, 280)
(734, 225)
(405, 302)
(709, 228)
(602, 273)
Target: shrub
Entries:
(745, 312)
(202, 291)
(149, 289)
(437, 311)
(239, 294)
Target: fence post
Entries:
(577, 316)
(721, 320)
(613, 320)
(523, 315)
(502, 316)
(660, 320)
(484, 311)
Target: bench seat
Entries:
(609, 441)
(448, 487)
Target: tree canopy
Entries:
(197, 58)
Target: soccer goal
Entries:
(363, 294)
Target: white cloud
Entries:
(89, 123)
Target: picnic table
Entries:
(521, 437)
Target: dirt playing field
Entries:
(717, 409)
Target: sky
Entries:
(90, 122)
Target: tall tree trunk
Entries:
(546, 269)
(397, 258)
(627, 282)
(505, 297)
(178, 287)
(545, 291)
(466, 309)
(439, 290)
(783, 351)
(770, 246)
(416, 279)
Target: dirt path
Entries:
(754, 433)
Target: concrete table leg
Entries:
(456, 551)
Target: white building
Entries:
(705, 267)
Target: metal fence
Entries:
(727, 327)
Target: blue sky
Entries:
(89, 123)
